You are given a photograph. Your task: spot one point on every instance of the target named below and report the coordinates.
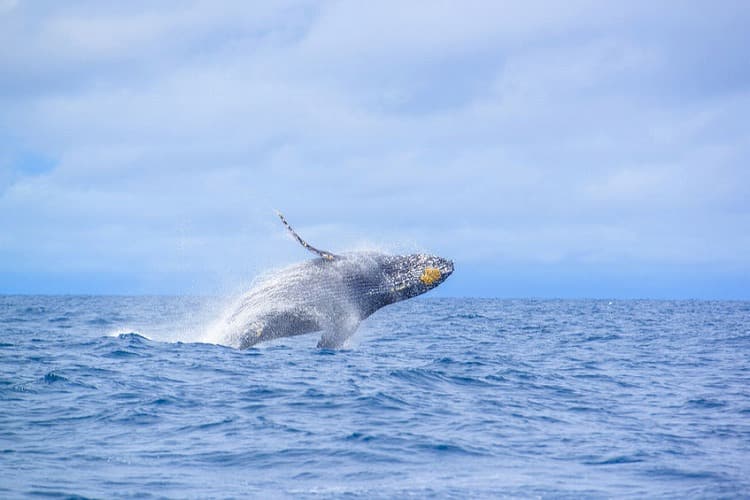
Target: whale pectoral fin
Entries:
(336, 336)
(321, 253)
(279, 324)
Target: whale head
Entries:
(411, 275)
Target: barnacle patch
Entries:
(430, 276)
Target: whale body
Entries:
(331, 293)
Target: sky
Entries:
(551, 149)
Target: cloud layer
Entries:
(152, 141)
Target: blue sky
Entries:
(552, 149)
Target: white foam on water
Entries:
(126, 331)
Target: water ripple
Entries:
(444, 397)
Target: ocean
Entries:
(106, 397)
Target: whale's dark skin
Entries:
(332, 293)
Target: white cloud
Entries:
(494, 131)
(7, 5)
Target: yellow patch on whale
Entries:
(430, 276)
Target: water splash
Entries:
(313, 294)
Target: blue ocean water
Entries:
(437, 397)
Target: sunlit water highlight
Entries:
(448, 397)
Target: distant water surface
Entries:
(436, 397)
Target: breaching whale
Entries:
(332, 293)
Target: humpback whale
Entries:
(331, 294)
